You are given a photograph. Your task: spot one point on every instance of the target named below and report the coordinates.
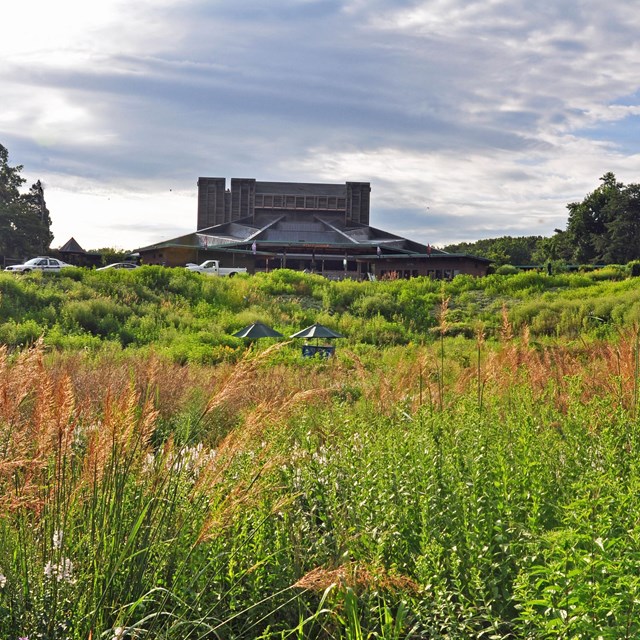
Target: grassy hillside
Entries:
(191, 318)
(468, 466)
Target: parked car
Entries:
(120, 265)
(213, 268)
(42, 263)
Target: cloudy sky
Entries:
(470, 119)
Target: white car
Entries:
(120, 265)
(213, 268)
(43, 263)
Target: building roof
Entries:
(322, 232)
(71, 246)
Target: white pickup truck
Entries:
(213, 268)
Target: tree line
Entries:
(604, 228)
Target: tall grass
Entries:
(462, 489)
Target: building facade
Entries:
(321, 228)
(248, 198)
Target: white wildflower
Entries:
(58, 534)
(3, 580)
(320, 458)
(61, 571)
(67, 570)
(118, 633)
(79, 435)
(149, 461)
(191, 460)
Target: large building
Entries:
(322, 228)
(248, 198)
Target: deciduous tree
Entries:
(605, 226)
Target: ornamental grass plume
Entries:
(170, 384)
(229, 494)
(239, 385)
(443, 326)
(357, 577)
(442, 314)
(557, 371)
(37, 423)
(122, 433)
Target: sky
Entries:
(470, 119)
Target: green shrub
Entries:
(507, 270)
(20, 334)
(611, 272)
(634, 268)
(100, 316)
(382, 303)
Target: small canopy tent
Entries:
(257, 330)
(317, 331)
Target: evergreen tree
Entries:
(25, 223)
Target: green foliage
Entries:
(24, 218)
(20, 334)
(191, 318)
(507, 507)
(99, 316)
(108, 255)
(383, 304)
(634, 268)
(504, 250)
(506, 270)
(605, 227)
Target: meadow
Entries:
(466, 466)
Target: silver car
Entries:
(119, 265)
(42, 263)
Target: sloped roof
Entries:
(277, 230)
(71, 246)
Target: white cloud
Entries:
(50, 117)
(66, 31)
(495, 193)
(493, 114)
(117, 218)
